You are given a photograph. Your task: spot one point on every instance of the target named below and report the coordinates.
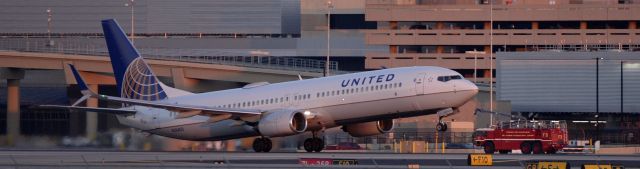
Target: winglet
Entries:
(83, 86)
(84, 89)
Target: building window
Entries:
(351, 21)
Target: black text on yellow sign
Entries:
(602, 166)
(548, 165)
(480, 160)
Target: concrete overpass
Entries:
(97, 71)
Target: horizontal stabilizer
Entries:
(91, 109)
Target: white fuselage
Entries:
(333, 101)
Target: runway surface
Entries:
(115, 159)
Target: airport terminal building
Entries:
(583, 88)
(456, 34)
(364, 35)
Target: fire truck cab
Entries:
(536, 137)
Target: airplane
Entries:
(363, 104)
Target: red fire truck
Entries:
(536, 137)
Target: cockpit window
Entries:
(447, 78)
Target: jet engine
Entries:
(368, 128)
(282, 123)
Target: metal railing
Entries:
(208, 56)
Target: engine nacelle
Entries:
(369, 128)
(282, 123)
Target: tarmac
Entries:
(192, 160)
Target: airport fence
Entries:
(464, 140)
(390, 141)
(258, 59)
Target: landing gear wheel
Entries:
(525, 147)
(308, 145)
(319, 146)
(313, 145)
(537, 148)
(489, 148)
(262, 144)
(441, 126)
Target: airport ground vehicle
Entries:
(537, 137)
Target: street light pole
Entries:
(598, 96)
(326, 63)
(491, 60)
(131, 4)
(49, 26)
(475, 66)
(622, 86)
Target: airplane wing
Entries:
(91, 109)
(185, 110)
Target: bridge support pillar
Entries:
(182, 82)
(92, 117)
(13, 77)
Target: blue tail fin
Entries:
(134, 78)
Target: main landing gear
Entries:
(262, 144)
(313, 144)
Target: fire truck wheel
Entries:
(489, 148)
(525, 147)
(537, 148)
(552, 151)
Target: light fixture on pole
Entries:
(131, 4)
(491, 59)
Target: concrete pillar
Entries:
(393, 24)
(182, 82)
(439, 49)
(92, 117)
(231, 145)
(439, 25)
(633, 25)
(13, 111)
(13, 77)
(535, 25)
(583, 25)
(487, 73)
(393, 48)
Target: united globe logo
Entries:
(140, 83)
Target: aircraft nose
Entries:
(468, 85)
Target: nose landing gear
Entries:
(441, 126)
